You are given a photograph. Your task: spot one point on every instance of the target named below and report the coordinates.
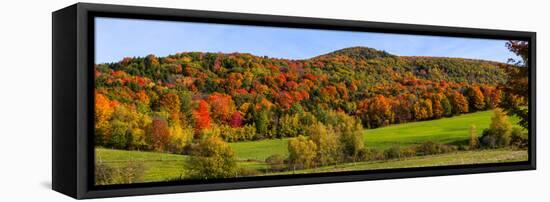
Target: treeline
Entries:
(165, 103)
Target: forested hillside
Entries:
(164, 103)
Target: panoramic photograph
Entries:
(177, 101)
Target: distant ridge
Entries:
(359, 53)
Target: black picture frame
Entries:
(73, 86)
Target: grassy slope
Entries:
(158, 166)
(445, 130)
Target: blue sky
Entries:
(119, 38)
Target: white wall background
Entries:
(25, 99)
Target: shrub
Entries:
(276, 162)
(210, 158)
(444, 148)
(518, 138)
(474, 140)
(431, 148)
(362, 155)
(247, 172)
(104, 174)
(427, 148)
(132, 172)
(302, 153)
(376, 154)
(489, 139)
(392, 152)
(370, 155)
(463, 147)
(408, 152)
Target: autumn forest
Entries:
(224, 115)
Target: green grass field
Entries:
(445, 131)
(158, 166)
(161, 166)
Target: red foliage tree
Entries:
(492, 96)
(202, 116)
(236, 120)
(159, 134)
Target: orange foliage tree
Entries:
(459, 103)
(476, 98)
(202, 116)
(380, 111)
(171, 103)
(104, 109)
(221, 106)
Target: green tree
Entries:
(186, 107)
(179, 138)
(211, 158)
(151, 62)
(499, 131)
(328, 144)
(289, 126)
(301, 153)
(118, 136)
(447, 108)
(261, 119)
(351, 136)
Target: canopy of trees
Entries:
(165, 103)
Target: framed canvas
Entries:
(156, 100)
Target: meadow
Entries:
(251, 154)
(453, 130)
